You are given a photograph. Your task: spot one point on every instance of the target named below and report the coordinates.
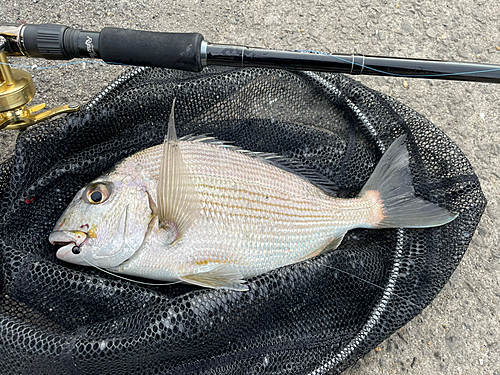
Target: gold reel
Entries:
(16, 91)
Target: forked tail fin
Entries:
(393, 182)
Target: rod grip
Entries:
(166, 50)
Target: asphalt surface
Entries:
(459, 333)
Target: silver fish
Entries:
(205, 213)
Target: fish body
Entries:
(254, 217)
(205, 213)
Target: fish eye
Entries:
(97, 193)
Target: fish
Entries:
(200, 211)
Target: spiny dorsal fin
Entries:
(178, 200)
(278, 161)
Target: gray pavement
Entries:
(459, 333)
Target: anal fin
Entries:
(219, 277)
(330, 247)
(334, 244)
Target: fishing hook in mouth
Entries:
(70, 240)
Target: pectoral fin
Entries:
(178, 200)
(220, 277)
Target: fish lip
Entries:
(66, 254)
(64, 251)
(65, 238)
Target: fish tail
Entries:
(391, 185)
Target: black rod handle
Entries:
(167, 50)
(114, 45)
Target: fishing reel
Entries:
(17, 90)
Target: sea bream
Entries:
(199, 211)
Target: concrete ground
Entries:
(459, 333)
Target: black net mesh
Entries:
(315, 317)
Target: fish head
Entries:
(106, 222)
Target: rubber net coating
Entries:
(316, 317)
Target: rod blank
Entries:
(219, 54)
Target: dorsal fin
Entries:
(278, 161)
(178, 200)
(300, 170)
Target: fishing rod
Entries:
(189, 51)
(184, 51)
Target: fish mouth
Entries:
(67, 240)
(63, 238)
